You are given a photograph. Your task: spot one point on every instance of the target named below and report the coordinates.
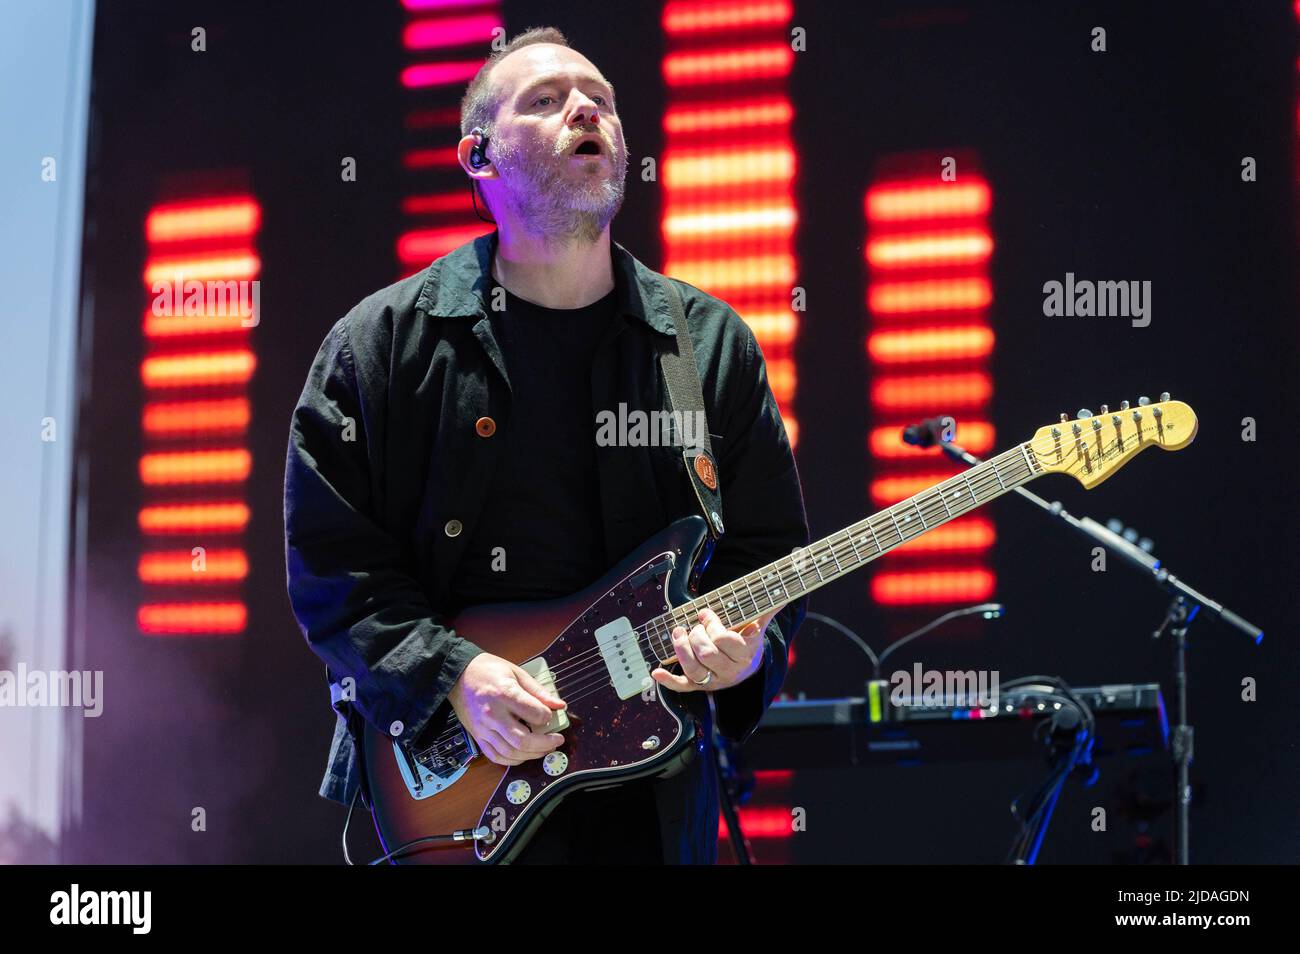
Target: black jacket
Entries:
(383, 453)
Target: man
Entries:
(444, 454)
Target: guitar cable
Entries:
(463, 834)
(988, 610)
(347, 858)
(1034, 816)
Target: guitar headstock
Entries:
(1092, 447)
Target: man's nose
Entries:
(583, 110)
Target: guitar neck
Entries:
(782, 581)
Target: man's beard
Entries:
(548, 203)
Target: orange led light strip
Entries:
(225, 517)
(728, 63)
(694, 19)
(192, 619)
(185, 566)
(927, 254)
(167, 418)
(729, 216)
(933, 586)
(930, 345)
(188, 221)
(196, 467)
(925, 199)
(201, 256)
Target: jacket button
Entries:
(485, 426)
(453, 528)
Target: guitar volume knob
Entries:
(555, 763)
(518, 792)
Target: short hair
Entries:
(480, 103)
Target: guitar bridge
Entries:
(433, 768)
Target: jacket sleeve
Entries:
(353, 592)
(763, 519)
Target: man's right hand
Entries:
(504, 709)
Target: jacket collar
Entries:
(457, 285)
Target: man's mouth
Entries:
(588, 146)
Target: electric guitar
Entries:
(443, 802)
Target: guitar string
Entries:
(833, 547)
(829, 545)
(656, 628)
(575, 692)
(837, 544)
(811, 556)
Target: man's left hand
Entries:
(714, 657)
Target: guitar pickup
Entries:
(621, 651)
(538, 669)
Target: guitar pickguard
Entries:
(620, 725)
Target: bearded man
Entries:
(443, 455)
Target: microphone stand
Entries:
(1185, 603)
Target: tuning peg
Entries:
(1065, 418)
(1143, 401)
(1123, 405)
(1164, 396)
(1084, 413)
(1105, 409)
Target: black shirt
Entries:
(541, 534)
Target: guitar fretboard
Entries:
(784, 580)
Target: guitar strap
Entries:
(686, 401)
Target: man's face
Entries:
(561, 168)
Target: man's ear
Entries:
(468, 142)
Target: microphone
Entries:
(929, 432)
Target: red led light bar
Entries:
(200, 273)
(929, 344)
(728, 168)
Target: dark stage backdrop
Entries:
(1116, 165)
